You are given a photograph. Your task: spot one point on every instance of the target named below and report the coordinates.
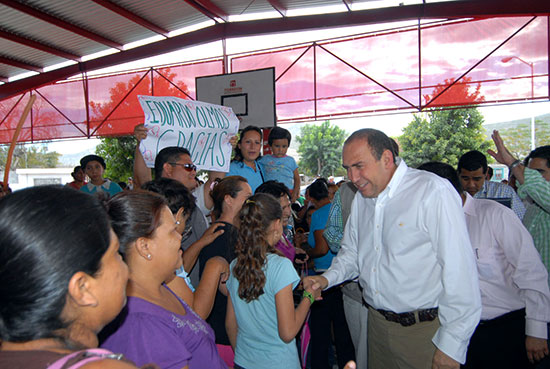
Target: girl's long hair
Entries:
(255, 218)
(231, 186)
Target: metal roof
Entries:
(37, 35)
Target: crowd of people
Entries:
(435, 267)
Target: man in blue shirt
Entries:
(472, 172)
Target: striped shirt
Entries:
(334, 231)
(497, 190)
(537, 217)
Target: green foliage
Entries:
(29, 156)
(444, 136)
(118, 153)
(321, 149)
(518, 139)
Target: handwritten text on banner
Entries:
(203, 129)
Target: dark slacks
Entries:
(325, 314)
(499, 343)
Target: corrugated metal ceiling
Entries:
(84, 27)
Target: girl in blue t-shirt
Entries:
(261, 320)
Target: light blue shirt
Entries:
(254, 177)
(258, 342)
(279, 169)
(318, 222)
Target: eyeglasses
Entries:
(187, 167)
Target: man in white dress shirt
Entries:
(406, 239)
(513, 280)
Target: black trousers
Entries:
(327, 313)
(499, 343)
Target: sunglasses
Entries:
(187, 167)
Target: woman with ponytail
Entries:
(228, 195)
(261, 319)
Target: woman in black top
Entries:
(228, 195)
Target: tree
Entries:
(457, 94)
(118, 153)
(444, 135)
(518, 138)
(321, 149)
(122, 109)
(29, 156)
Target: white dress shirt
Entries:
(411, 250)
(511, 273)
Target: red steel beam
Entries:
(288, 24)
(209, 9)
(18, 64)
(38, 45)
(276, 4)
(347, 3)
(60, 23)
(132, 16)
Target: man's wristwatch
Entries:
(514, 164)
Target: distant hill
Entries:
(514, 123)
(72, 160)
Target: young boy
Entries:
(278, 166)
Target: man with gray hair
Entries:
(406, 239)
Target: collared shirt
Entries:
(411, 250)
(499, 190)
(537, 217)
(334, 231)
(254, 177)
(511, 273)
(108, 187)
(338, 215)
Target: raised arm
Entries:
(504, 156)
(212, 176)
(216, 270)
(142, 174)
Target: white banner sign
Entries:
(203, 129)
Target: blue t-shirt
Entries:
(258, 341)
(318, 222)
(279, 169)
(254, 178)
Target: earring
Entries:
(178, 222)
(149, 256)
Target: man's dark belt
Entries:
(409, 318)
(504, 319)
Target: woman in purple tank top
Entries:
(156, 325)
